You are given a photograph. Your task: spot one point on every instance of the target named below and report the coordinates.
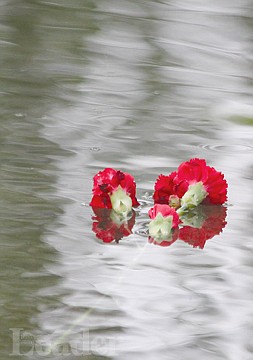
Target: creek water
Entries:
(139, 86)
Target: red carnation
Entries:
(114, 189)
(193, 182)
(166, 211)
(163, 220)
(196, 171)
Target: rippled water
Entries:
(139, 86)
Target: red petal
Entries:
(101, 201)
(194, 170)
(166, 211)
(181, 188)
(128, 184)
(216, 186)
(103, 177)
(164, 187)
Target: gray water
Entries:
(140, 86)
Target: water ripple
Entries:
(233, 148)
(142, 229)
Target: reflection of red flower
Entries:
(189, 173)
(212, 225)
(108, 181)
(107, 229)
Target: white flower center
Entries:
(121, 202)
(195, 194)
(160, 227)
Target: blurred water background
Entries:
(139, 86)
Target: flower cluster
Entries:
(192, 183)
(179, 200)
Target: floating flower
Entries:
(200, 182)
(163, 220)
(202, 224)
(114, 189)
(109, 226)
(190, 185)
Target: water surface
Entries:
(139, 87)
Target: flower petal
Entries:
(101, 201)
(103, 178)
(216, 186)
(194, 170)
(164, 188)
(165, 211)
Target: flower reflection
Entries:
(202, 224)
(109, 226)
(169, 240)
(196, 227)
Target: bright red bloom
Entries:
(216, 186)
(108, 230)
(211, 184)
(211, 226)
(164, 220)
(196, 170)
(165, 211)
(107, 182)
